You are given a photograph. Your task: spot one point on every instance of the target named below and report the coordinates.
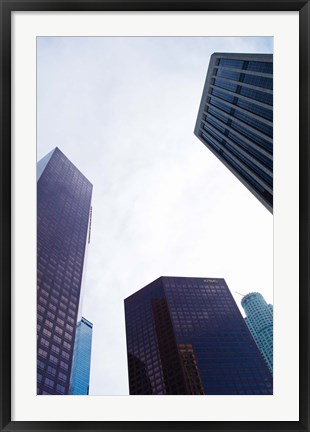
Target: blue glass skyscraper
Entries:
(235, 118)
(259, 319)
(63, 214)
(186, 336)
(80, 373)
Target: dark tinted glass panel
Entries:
(245, 104)
(239, 141)
(262, 127)
(223, 95)
(250, 179)
(260, 189)
(218, 115)
(257, 95)
(260, 67)
(226, 85)
(243, 130)
(224, 107)
(258, 81)
(226, 73)
(255, 109)
(237, 64)
(254, 167)
(252, 136)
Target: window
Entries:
(62, 376)
(55, 349)
(52, 307)
(69, 327)
(64, 365)
(41, 309)
(42, 353)
(57, 339)
(62, 314)
(65, 355)
(50, 315)
(49, 324)
(53, 359)
(60, 321)
(40, 364)
(58, 330)
(60, 388)
(45, 343)
(48, 382)
(51, 370)
(42, 301)
(67, 345)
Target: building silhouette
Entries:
(186, 336)
(63, 212)
(259, 319)
(235, 118)
(80, 372)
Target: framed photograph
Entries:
(155, 192)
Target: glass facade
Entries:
(79, 381)
(63, 208)
(235, 118)
(259, 319)
(187, 336)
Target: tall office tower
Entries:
(187, 336)
(63, 212)
(235, 118)
(80, 372)
(259, 319)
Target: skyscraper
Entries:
(63, 211)
(79, 381)
(235, 118)
(259, 319)
(186, 336)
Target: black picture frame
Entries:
(9, 6)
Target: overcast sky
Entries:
(123, 110)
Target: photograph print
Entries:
(154, 216)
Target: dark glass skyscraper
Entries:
(187, 336)
(79, 381)
(235, 118)
(259, 319)
(63, 211)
